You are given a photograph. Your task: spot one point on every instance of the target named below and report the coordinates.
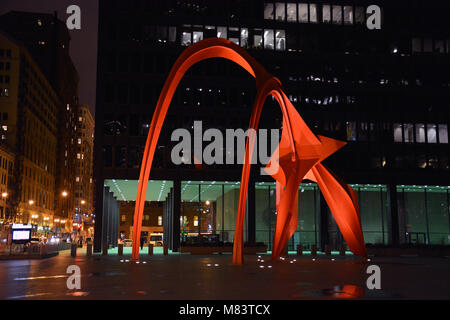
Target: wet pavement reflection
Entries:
(215, 277)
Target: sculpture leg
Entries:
(341, 199)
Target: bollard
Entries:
(313, 250)
(166, 250)
(342, 251)
(89, 250)
(120, 249)
(286, 251)
(73, 250)
(105, 250)
(327, 250)
(299, 250)
(150, 249)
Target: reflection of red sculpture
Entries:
(300, 154)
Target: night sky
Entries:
(83, 46)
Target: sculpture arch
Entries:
(266, 85)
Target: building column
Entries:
(323, 222)
(393, 218)
(176, 214)
(251, 212)
(98, 226)
(104, 215)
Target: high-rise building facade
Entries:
(383, 91)
(30, 130)
(84, 190)
(6, 172)
(47, 39)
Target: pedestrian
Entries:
(142, 242)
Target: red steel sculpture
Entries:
(299, 156)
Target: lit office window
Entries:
(408, 131)
(398, 132)
(420, 133)
(234, 40)
(280, 11)
(268, 11)
(313, 13)
(147, 217)
(244, 37)
(257, 38)
(159, 220)
(222, 32)
(124, 218)
(268, 39)
(359, 15)
(443, 133)
(280, 40)
(292, 12)
(186, 39)
(431, 133)
(198, 36)
(337, 14)
(195, 221)
(303, 12)
(351, 131)
(326, 13)
(348, 15)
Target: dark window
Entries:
(134, 125)
(120, 157)
(107, 156)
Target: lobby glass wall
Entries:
(424, 214)
(210, 207)
(308, 218)
(373, 207)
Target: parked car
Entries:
(156, 239)
(35, 240)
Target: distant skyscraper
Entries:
(29, 108)
(47, 39)
(84, 189)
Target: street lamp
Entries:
(4, 194)
(64, 193)
(31, 202)
(83, 202)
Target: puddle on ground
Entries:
(30, 295)
(77, 294)
(42, 277)
(339, 292)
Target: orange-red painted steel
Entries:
(300, 154)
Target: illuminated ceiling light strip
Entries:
(212, 183)
(161, 190)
